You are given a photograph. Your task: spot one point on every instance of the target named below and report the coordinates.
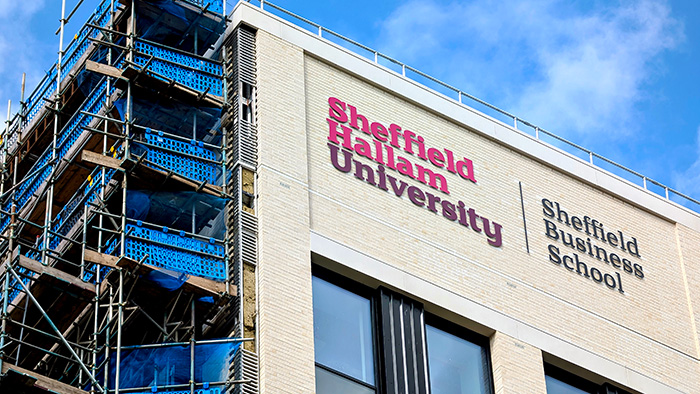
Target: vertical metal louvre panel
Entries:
(245, 61)
(231, 86)
(234, 204)
(249, 238)
(402, 345)
(234, 258)
(245, 368)
(244, 142)
(248, 143)
(242, 153)
(234, 153)
(240, 68)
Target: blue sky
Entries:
(618, 77)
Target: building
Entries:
(255, 204)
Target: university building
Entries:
(198, 199)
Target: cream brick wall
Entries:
(517, 367)
(648, 329)
(284, 269)
(689, 252)
(652, 329)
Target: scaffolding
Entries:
(127, 208)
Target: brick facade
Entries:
(648, 334)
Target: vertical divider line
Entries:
(522, 206)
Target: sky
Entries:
(617, 77)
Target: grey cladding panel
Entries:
(401, 344)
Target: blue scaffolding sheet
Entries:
(170, 365)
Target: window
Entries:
(562, 382)
(356, 329)
(342, 340)
(456, 365)
(556, 386)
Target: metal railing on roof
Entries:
(462, 97)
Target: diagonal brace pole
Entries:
(60, 335)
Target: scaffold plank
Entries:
(101, 258)
(103, 69)
(100, 159)
(209, 286)
(33, 379)
(44, 270)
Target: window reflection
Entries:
(343, 331)
(456, 365)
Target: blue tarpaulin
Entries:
(170, 365)
(175, 209)
(167, 279)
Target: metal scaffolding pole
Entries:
(192, 343)
(5, 142)
(103, 186)
(120, 323)
(54, 328)
(108, 333)
(5, 296)
(8, 253)
(111, 328)
(127, 127)
(95, 326)
(54, 148)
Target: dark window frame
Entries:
(464, 333)
(373, 295)
(362, 291)
(572, 379)
(343, 282)
(459, 331)
(580, 383)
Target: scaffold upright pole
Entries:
(54, 144)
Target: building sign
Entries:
(351, 136)
(576, 242)
(582, 240)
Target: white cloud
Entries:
(688, 181)
(567, 69)
(19, 51)
(10, 9)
